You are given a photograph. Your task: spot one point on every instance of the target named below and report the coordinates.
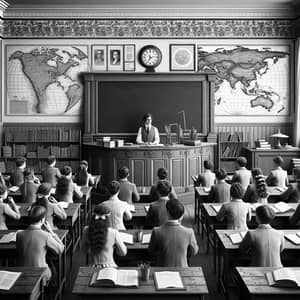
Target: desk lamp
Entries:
(278, 136)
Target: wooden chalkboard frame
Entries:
(92, 82)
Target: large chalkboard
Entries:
(116, 103)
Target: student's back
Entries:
(51, 174)
(157, 213)
(207, 178)
(28, 190)
(128, 191)
(219, 193)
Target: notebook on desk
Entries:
(167, 280)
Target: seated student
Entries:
(100, 239)
(265, 243)
(157, 213)
(5, 209)
(66, 189)
(295, 218)
(51, 173)
(162, 174)
(257, 191)
(171, 243)
(53, 208)
(278, 176)
(128, 191)
(236, 212)
(207, 178)
(292, 194)
(32, 243)
(17, 175)
(83, 177)
(220, 192)
(242, 174)
(118, 209)
(29, 187)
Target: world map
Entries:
(251, 81)
(44, 80)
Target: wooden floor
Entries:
(202, 259)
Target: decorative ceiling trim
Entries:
(148, 28)
(3, 6)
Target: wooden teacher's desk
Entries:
(192, 277)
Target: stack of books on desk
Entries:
(262, 144)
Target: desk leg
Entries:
(215, 245)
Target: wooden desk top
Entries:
(27, 286)
(192, 278)
(136, 245)
(140, 210)
(256, 283)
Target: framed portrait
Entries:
(115, 58)
(99, 57)
(182, 57)
(129, 58)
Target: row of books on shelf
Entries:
(34, 151)
(296, 162)
(238, 136)
(232, 150)
(62, 134)
(262, 144)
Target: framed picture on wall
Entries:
(115, 58)
(99, 57)
(129, 58)
(182, 57)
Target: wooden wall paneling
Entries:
(138, 168)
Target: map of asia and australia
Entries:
(45, 79)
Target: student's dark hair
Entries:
(175, 208)
(113, 187)
(256, 172)
(66, 170)
(221, 174)
(28, 172)
(123, 172)
(208, 164)
(3, 188)
(41, 201)
(81, 177)
(51, 159)
(37, 213)
(44, 188)
(241, 161)
(164, 188)
(20, 160)
(162, 173)
(146, 116)
(278, 160)
(237, 191)
(265, 214)
(84, 163)
(62, 185)
(261, 186)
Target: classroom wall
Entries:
(208, 35)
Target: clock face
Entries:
(150, 56)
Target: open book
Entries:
(280, 189)
(131, 207)
(8, 279)
(13, 189)
(206, 189)
(113, 277)
(63, 204)
(168, 281)
(293, 237)
(216, 207)
(146, 238)
(126, 237)
(281, 207)
(283, 277)
(237, 237)
(8, 238)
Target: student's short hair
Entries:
(221, 174)
(113, 187)
(208, 164)
(44, 188)
(278, 160)
(28, 172)
(3, 189)
(20, 161)
(84, 162)
(164, 188)
(175, 208)
(41, 201)
(236, 190)
(146, 116)
(162, 173)
(123, 172)
(51, 159)
(66, 170)
(265, 214)
(241, 161)
(37, 213)
(257, 171)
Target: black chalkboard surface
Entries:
(122, 104)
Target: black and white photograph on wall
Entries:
(99, 60)
(129, 58)
(182, 57)
(115, 58)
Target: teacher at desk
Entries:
(147, 134)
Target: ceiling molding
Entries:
(3, 6)
(127, 11)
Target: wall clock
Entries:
(150, 57)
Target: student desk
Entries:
(138, 217)
(8, 252)
(230, 252)
(192, 278)
(27, 287)
(254, 284)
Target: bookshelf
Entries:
(37, 141)
(230, 145)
